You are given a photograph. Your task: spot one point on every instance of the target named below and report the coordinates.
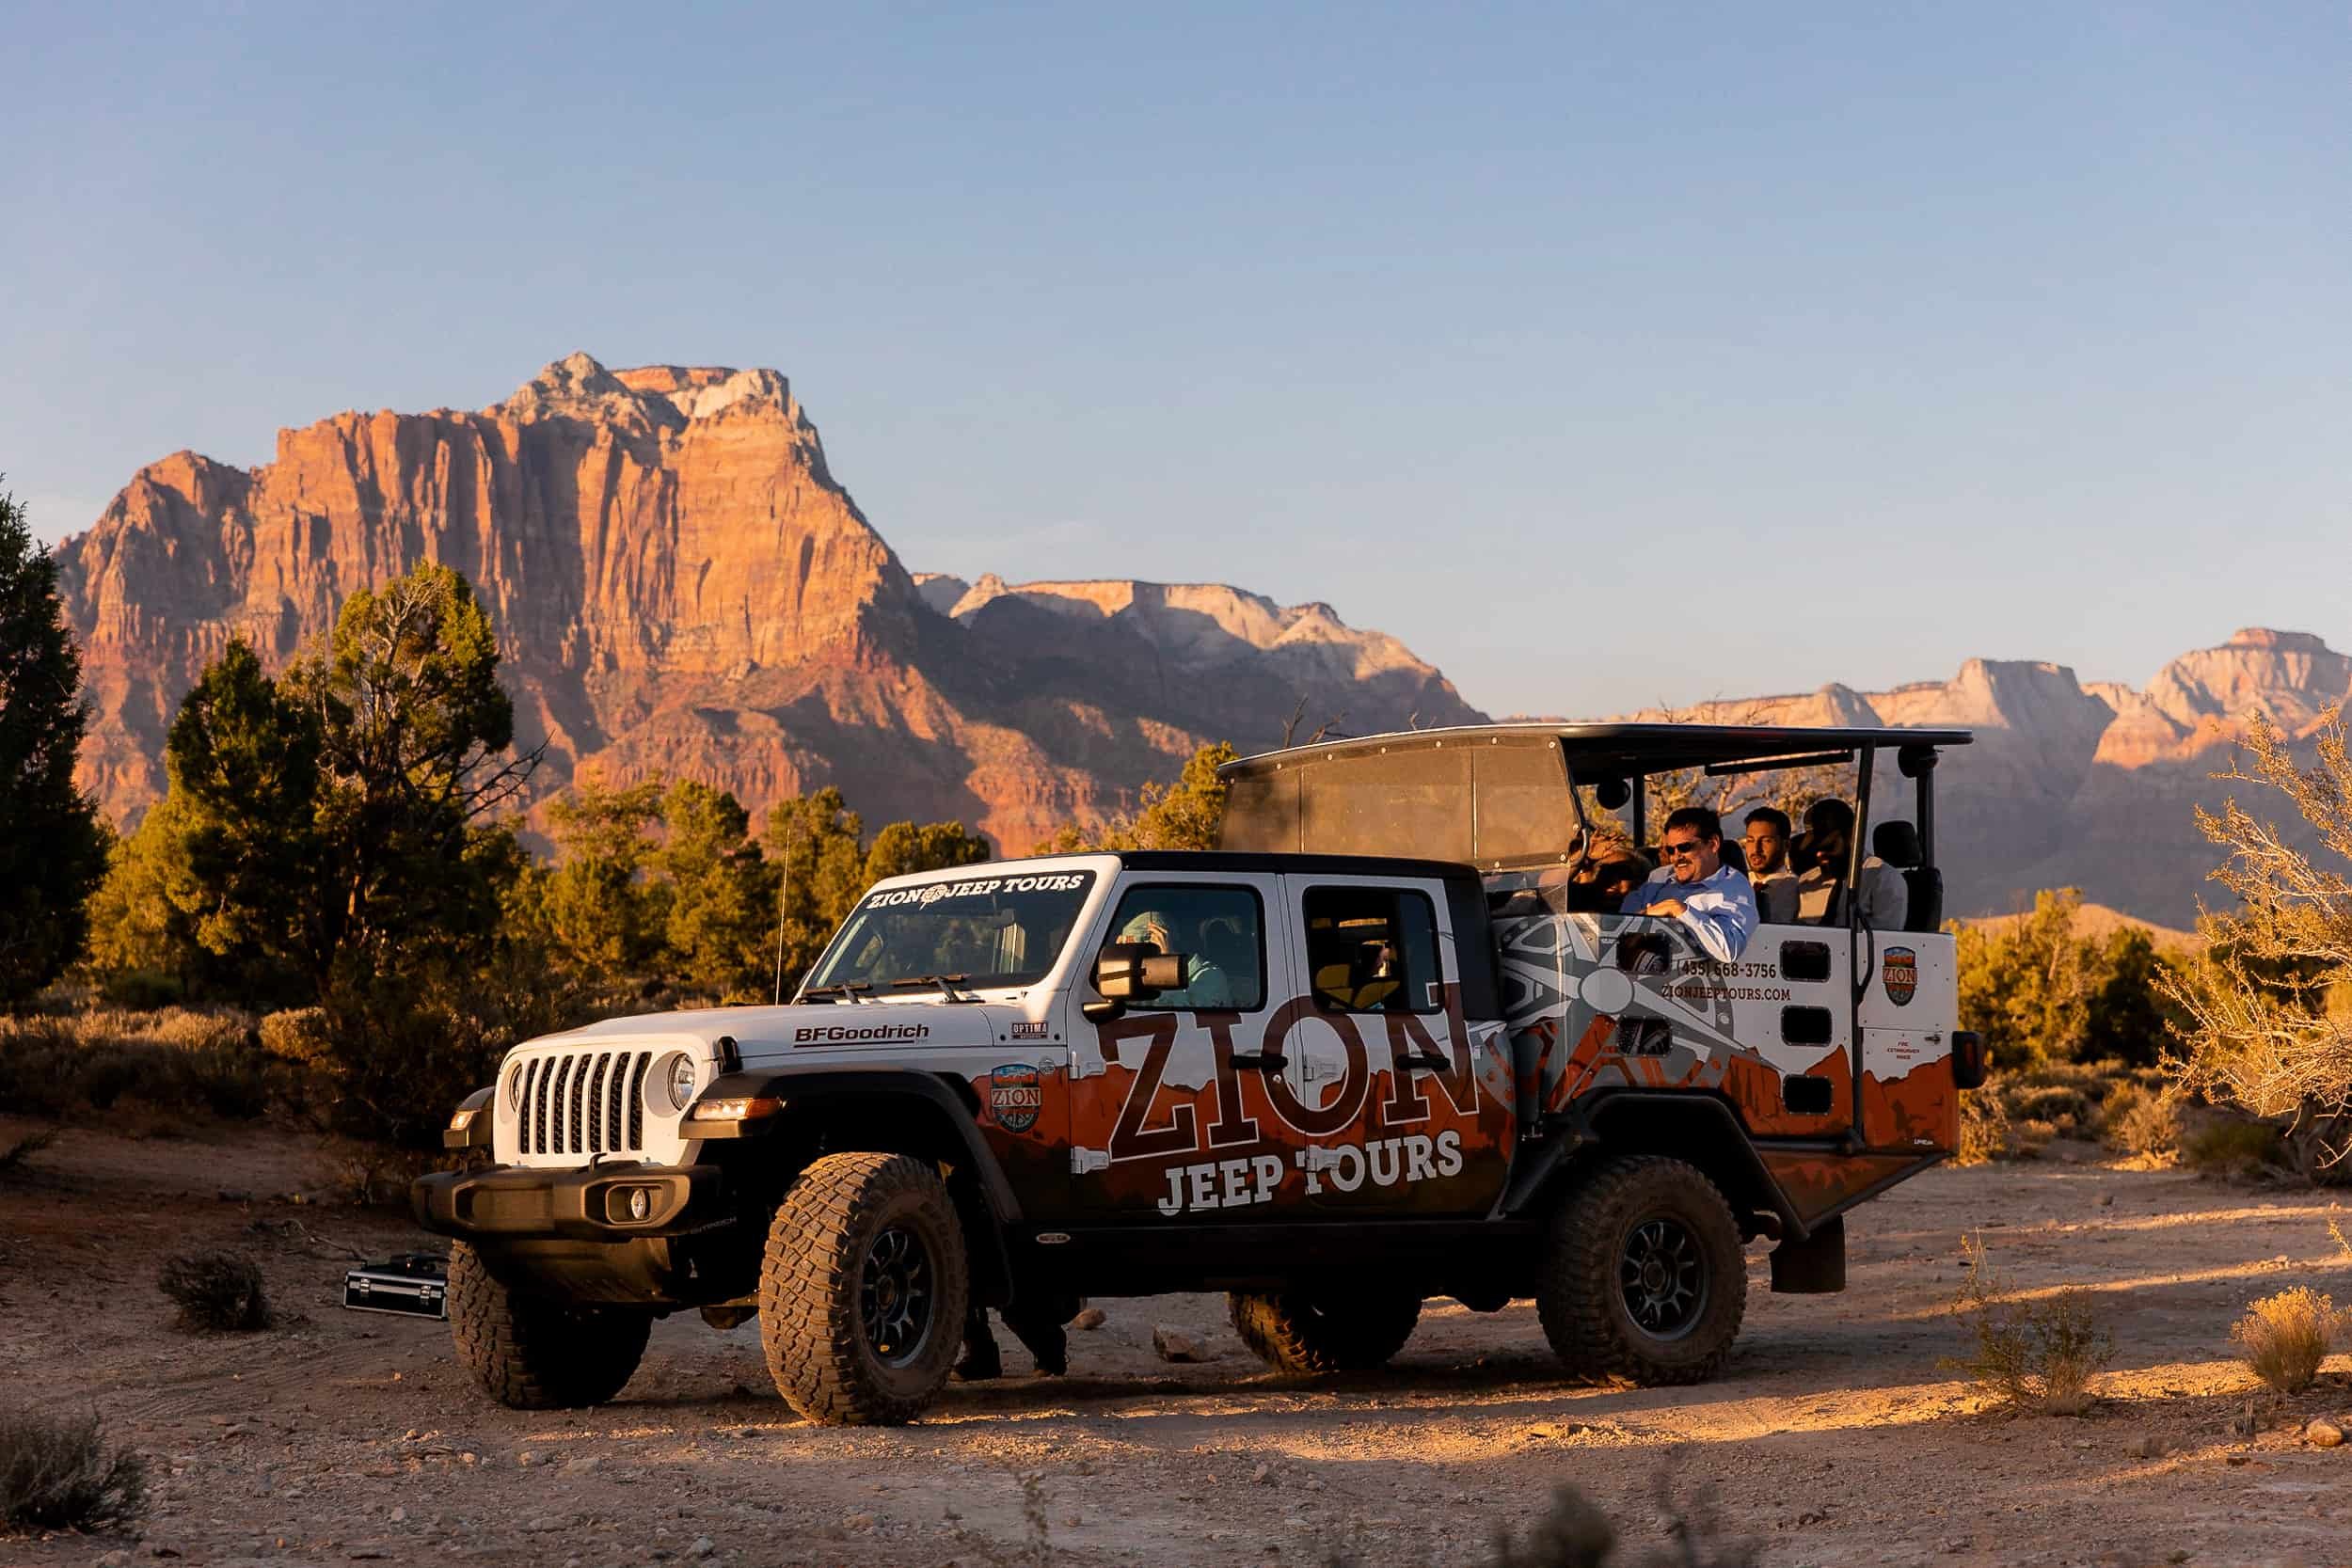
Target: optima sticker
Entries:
(852, 1034)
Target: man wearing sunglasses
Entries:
(1711, 900)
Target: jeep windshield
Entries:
(974, 934)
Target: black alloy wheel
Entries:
(896, 1296)
(1663, 1273)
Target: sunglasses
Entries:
(1675, 851)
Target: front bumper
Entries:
(517, 1203)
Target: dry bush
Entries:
(2231, 1147)
(2063, 1108)
(217, 1290)
(373, 1175)
(2264, 1029)
(18, 1156)
(1985, 1133)
(2141, 1121)
(58, 1473)
(39, 1060)
(2284, 1338)
(1574, 1533)
(2037, 1355)
(178, 1059)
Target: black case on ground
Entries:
(415, 1285)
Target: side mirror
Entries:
(1136, 971)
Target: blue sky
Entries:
(1607, 355)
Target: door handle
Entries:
(1263, 1061)
(1432, 1064)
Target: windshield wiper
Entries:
(947, 984)
(848, 989)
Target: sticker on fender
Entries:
(1238, 1183)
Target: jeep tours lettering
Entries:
(843, 1034)
(931, 893)
(1241, 1182)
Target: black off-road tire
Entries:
(1629, 1212)
(1301, 1331)
(529, 1353)
(815, 1309)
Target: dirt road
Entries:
(1835, 1440)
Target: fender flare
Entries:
(800, 1088)
(1586, 1128)
(797, 1089)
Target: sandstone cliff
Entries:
(681, 586)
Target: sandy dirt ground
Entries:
(1835, 1437)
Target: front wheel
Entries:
(861, 1291)
(1645, 1278)
(1318, 1331)
(530, 1353)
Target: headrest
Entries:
(1896, 843)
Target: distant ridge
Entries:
(682, 586)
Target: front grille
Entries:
(584, 1103)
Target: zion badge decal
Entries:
(1902, 974)
(1015, 1097)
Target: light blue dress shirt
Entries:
(1719, 911)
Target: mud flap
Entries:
(1815, 1266)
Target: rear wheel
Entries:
(861, 1289)
(1304, 1331)
(529, 1353)
(1645, 1280)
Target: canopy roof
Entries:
(1496, 795)
(1621, 750)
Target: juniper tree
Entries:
(52, 848)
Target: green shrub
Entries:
(58, 1474)
(2231, 1147)
(141, 989)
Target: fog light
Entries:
(640, 1202)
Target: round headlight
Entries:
(515, 1087)
(682, 1081)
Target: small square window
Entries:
(1374, 950)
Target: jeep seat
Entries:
(1897, 845)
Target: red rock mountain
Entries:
(681, 586)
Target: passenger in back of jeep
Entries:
(1767, 843)
(1884, 900)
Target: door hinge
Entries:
(1084, 1162)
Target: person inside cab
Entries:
(1766, 842)
(1883, 900)
(1206, 983)
(1710, 899)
